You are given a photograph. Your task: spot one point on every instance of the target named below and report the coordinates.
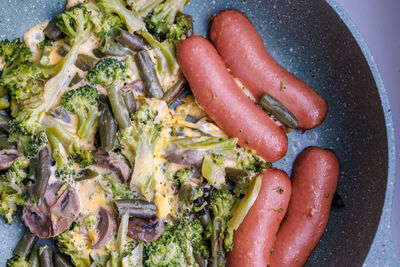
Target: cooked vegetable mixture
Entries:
(96, 156)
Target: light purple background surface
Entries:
(379, 23)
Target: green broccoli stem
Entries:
(118, 105)
(87, 123)
(131, 20)
(167, 49)
(56, 152)
(53, 86)
(217, 248)
(169, 9)
(144, 7)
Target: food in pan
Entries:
(105, 151)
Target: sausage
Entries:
(314, 181)
(255, 235)
(244, 53)
(224, 101)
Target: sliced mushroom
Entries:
(38, 220)
(65, 210)
(7, 158)
(135, 86)
(145, 230)
(115, 163)
(59, 210)
(187, 157)
(106, 228)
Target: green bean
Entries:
(189, 18)
(199, 258)
(75, 80)
(167, 49)
(5, 143)
(136, 208)
(132, 41)
(4, 124)
(130, 102)
(235, 175)
(111, 47)
(4, 103)
(61, 261)
(63, 50)
(122, 232)
(85, 62)
(148, 74)
(3, 91)
(86, 174)
(205, 218)
(32, 169)
(108, 126)
(34, 258)
(273, 106)
(42, 175)
(118, 106)
(26, 244)
(97, 53)
(46, 257)
(217, 248)
(175, 91)
(61, 114)
(52, 31)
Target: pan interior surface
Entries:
(311, 41)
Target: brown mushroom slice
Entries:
(37, 220)
(187, 157)
(145, 230)
(135, 86)
(106, 228)
(7, 158)
(65, 210)
(115, 163)
(55, 214)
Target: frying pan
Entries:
(310, 40)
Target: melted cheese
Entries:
(33, 37)
(92, 197)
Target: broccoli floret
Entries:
(161, 22)
(76, 245)
(17, 261)
(13, 189)
(131, 20)
(20, 76)
(64, 169)
(29, 134)
(84, 103)
(251, 163)
(177, 245)
(180, 29)
(62, 133)
(108, 72)
(138, 143)
(106, 25)
(46, 47)
(144, 7)
(28, 112)
(117, 189)
(222, 202)
(182, 176)
(111, 74)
